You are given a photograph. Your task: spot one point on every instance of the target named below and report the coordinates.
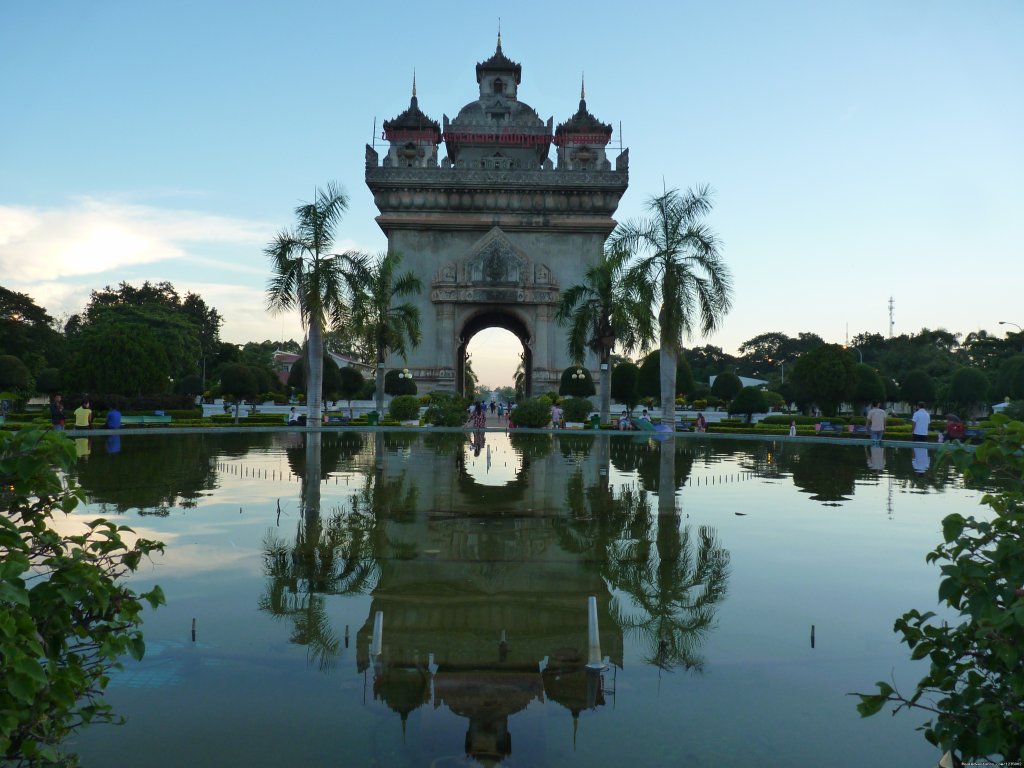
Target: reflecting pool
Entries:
(742, 590)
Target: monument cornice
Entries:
(482, 222)
(484, 178)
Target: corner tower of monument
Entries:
(494, 230)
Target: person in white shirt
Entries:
(921, 420)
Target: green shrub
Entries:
(577, 409)
(533, 412)
(404, 408)
(67, 616)
(973, 693)
(446, 409)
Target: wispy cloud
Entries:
(91, 236)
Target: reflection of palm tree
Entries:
(337, 556)
(674, 580)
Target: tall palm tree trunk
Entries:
(605, 390)
(311, 482)
(315, 371)
(669, 357)
(379, 391)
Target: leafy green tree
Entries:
(331, 377)
(748, 401)
(600, 313)
(112, 357)
(824, 375)
(678, 268)
(187, 328)
(726, 385)
(351, 384)
(918, 387)
(968, 388)
(391, 327)
(708, 360)
(190, 385)
(48, 381)
(67, 615)
(972, 692)
(239, 382)
(1010, 379)
(306, 276)
(576, 381)
(26, 331)
(14, 375)
(625, 385)
(649, 382)
(867, 386)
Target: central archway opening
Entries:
(496, 345)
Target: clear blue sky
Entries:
(858, 150)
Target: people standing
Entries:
(921, 420)
(57, 413)
(792, 428)
(702, 423)
(83, 416)
(556, 416)
(875, 422)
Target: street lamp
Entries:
(1019, 330)
(859, 353)
(404, 374)
(578, 374)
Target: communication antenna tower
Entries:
(892, 306)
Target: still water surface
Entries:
(710, 561)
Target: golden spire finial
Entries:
(583, 86)
(414, 82)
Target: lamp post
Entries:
(859, 353)
(1019, 330)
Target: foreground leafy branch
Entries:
(65, 616)
(974, 688)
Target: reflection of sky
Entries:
(848, 568)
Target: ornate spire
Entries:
(499, 34)
(414, 82)
(583, 87)
(499, 63)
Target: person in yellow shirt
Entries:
(83, 416)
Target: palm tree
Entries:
(677, 267)
(305, 275)
(389, 327)
(599, 313)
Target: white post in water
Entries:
(377, 643)
(594, 658)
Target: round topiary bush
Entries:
(405, 408)
(577, 408)
(533, 412)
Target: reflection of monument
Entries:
(499, 610)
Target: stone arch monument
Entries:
(495, 229)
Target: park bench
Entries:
(828, 426)
(140, 421)
(684, 426)
(970, 434)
